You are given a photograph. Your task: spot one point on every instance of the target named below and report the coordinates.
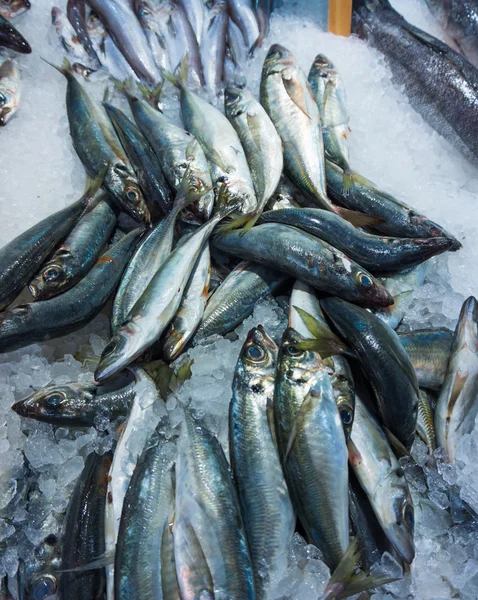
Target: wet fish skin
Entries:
(13, 8)
(429, 350)
(305, 257)
(385, 362)
(236, 297)
(9, 90)
(77, 404)
(143, 159)
(373, 252)
(76, 13)
(83, 538)
(440, 84)
(187, 42)
(457, 406)
(425, 425)
(269, 519)
(243, 15)
(213, 46)
(76, 255)
(383, 480)
(11, 38)
(263, 9)
(155, 36)
(195, 12)
(40, 321)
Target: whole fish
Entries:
(83, 539)
(148, 257)
(187, 46)
(78, 404)
(305, 257)
(261, 142)
(385, 362)
(263, 10)
(195, 11)
(312, 447)
(143, 160)
(208, 517)
(75, 50)
(157, 306)
(398, 219)
(177, 150)
(123, 26)
(97, 148)
(429, 350)
(141, 569)
(13, 8)
(40, 321)
(459, 19)
(457, 404)
(11, 38)
(383, 480)
(191, 309)
(213, 46)
(243, 15)
(76, 13)
(373, 252)
(269, 519)
(77, 254)
(402, 287)
(235, 298)
(9, 90)
(22, 257)
(158, 42)
(425, 425)
(440, 84)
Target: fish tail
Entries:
(152, 97)
(357, 218)
(180, 79)
(65, 69)
(125, 86)
(244, 222)
(325, 342)
(190, 190)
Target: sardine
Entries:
(76, 13)
(9, 90)
(385, 362)
(195, 11)
(187, 45)
(429, 350)
(383, 480)
(425, 424)
(373, 252)
(267, 511)
(69, 40)
(457, 404)
(11, 38)
(213, 46)
(242, 13)
(77, 254)
(13, 8)
(40, 321)
(157, 41)
(305, 257)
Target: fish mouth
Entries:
(5, 114)
(468, 321)
(22, 409)
(231, 95)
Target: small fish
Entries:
(213, 46)
(195, 11)
(263, 10)
(9, 90)
(457, 404)
(68, 39)
(12, 39)
(77, 254)
(155, 34)
(269, 518)
(76, 13)
(38, 577)
(243, 15)
(425, 425)
(305, 257)
(429, 350)
(13, 8)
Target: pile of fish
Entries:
(186, 228)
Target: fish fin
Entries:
(345, 580)
(190, 148)
(213, 156)
(180, 79)
(153, 96)
(181, 375)
(94, 185)
(187, 193)
(307, 406)
(325, 342)
(357, 218)
(97, 563)
(106, 94)
(66, 69)
(296, 94)
(396, 444)
(347, 182)
(243, 222)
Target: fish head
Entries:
(373, 293)
(9, 99)
(345, 400)
(95, 26)
(12, 39)
(13, 8)
(126, 188)
(235, 100)
(42, 586)
(259, 352)
(466, 333)
(322, 67)
(297, 365)
(50, 281)
(277, 60)
(120, 351)
(54, 401)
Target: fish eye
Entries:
(255, 353)
(3, 99)
(293, 351)
(132, 194)
(144, 11)
(43, 587)
(52, 273)
(409, 516)
(54, 400)
(346, 416)
(365, 280)
(110, 348)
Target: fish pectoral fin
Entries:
(308, 405)
(357, 219)
(325, 342)
(296, 94)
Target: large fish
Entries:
(385, 362)
(457, 404)
(9, 90)
(267, 511)
(440, 84)
(11, 38)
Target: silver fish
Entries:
(68, 38)
(243, 15)
(213, 46)
(9, 90)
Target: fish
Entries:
(154, 34)
(263, 9)
(307, 258)
(457, 404)
(261, 142)
(237, 51)
(213, 46)
(208, 517)
(235, 298)
(126, 32)
(76, 13)
(157, 306)
(243, 15)
(143, 160)
(78, 404)
(10, 76)
(429, 350)
(83, 538)
(177, 150)
(21, 258)
(195, 11)
(97, 147)
(425, 425)
(141, 565)
(48, 319)
(376, 253)
(269, 518)
(191, 309)
(187, 46)
(440, 84)
(148, 257)
(75, 50)
(312, 447)
(38, 577)
(13, 8)
(383, 480)
(386, 364)
(11, 38)
(77, 254)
